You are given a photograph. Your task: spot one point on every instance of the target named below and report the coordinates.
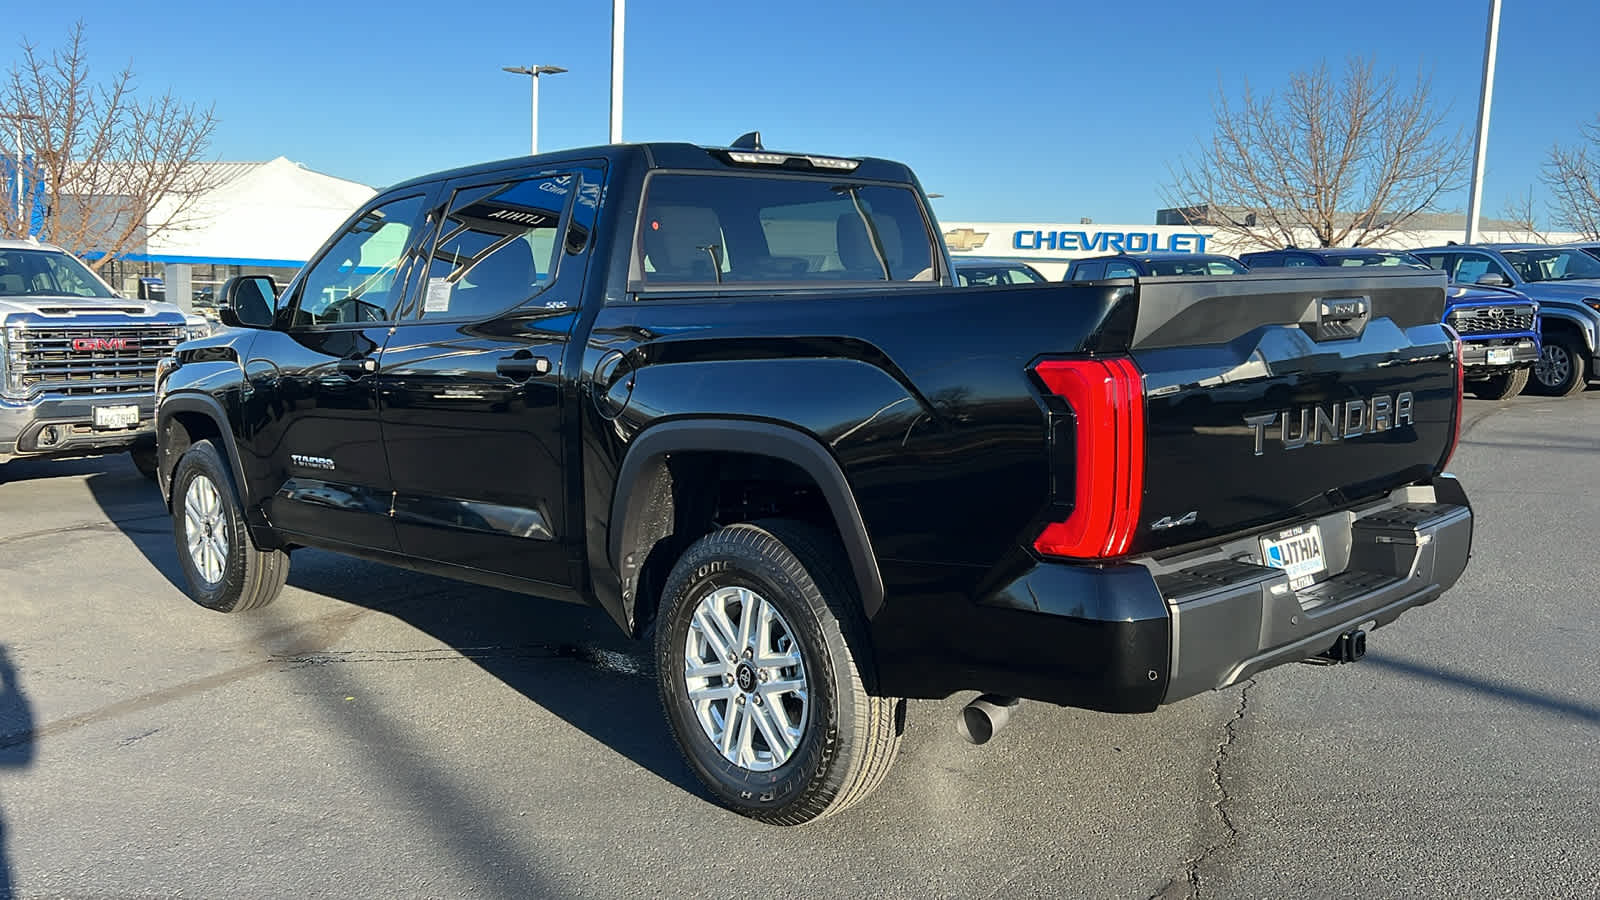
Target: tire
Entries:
(203, 495)
(145, 459)
(1562, 369)
(847, 738)
(1502, 386)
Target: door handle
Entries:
(522, 365)
(356, 367)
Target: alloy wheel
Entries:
(746, 679)
(1554, 366)
(206, 529)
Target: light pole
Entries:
(19, 118)
(617, 12)
(534, 72)
(1486, 94)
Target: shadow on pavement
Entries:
(132, 503)
(569, 659)
(39, 469)
(572, 660)
(16, 750)
(1566, 709)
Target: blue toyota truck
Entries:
(1499, 326)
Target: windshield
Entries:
(36, 273)
(1380, 259)
(1552, 265)
(1195, 267)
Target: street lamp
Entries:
(534, 72)
(19, 118)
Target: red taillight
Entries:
(1107, 401)
(1461, 393)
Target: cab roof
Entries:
(677, 155)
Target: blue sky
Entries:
(1015, 111)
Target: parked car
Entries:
(1590, 247)
(78, 360)
(1499, 327)
(1566, 283)
(1146, 265)
(1292, 257)
(987, 271)
(735, 399)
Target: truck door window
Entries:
(1472, 266)
(497, 247)
(1120, 270)
(732, 229)
(1297, 260)
(1089, 271)
(355, 281)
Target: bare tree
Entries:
(116, 170)
(1520, 221)
(1573, 176)
(1344, 163)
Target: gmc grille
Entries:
(103, 359)
(1492, 319)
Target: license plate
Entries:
(1298, 552)
(1499, 356)
(116, 416)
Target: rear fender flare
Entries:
(739, 436)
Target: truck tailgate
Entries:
(1271, 399)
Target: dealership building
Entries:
(261, 218)
(1051, 246)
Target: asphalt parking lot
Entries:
(380, 733)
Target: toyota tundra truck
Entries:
(77, 361)
(735, 399)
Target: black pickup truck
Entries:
(734, 398)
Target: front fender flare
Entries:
(207, 406)
(742, 436)
(1583, 324)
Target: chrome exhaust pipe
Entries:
(982, 718)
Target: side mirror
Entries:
(248, 301)
(1493, 279)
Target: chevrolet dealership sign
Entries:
(1063, 242)
(1105, 241)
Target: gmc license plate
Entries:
(112, 417)
(1298, 552)
(1499, 356)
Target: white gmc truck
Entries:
(78, 361)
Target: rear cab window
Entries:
(733, 230)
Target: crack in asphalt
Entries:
(1219, 808)
(315, 635)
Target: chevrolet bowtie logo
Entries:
(965, 239)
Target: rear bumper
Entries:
(1475, 353)
(1132, 637)
(23, 425)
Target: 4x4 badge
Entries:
(1165, 522)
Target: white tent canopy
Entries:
(261, 213)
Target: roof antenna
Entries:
(748, 141)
